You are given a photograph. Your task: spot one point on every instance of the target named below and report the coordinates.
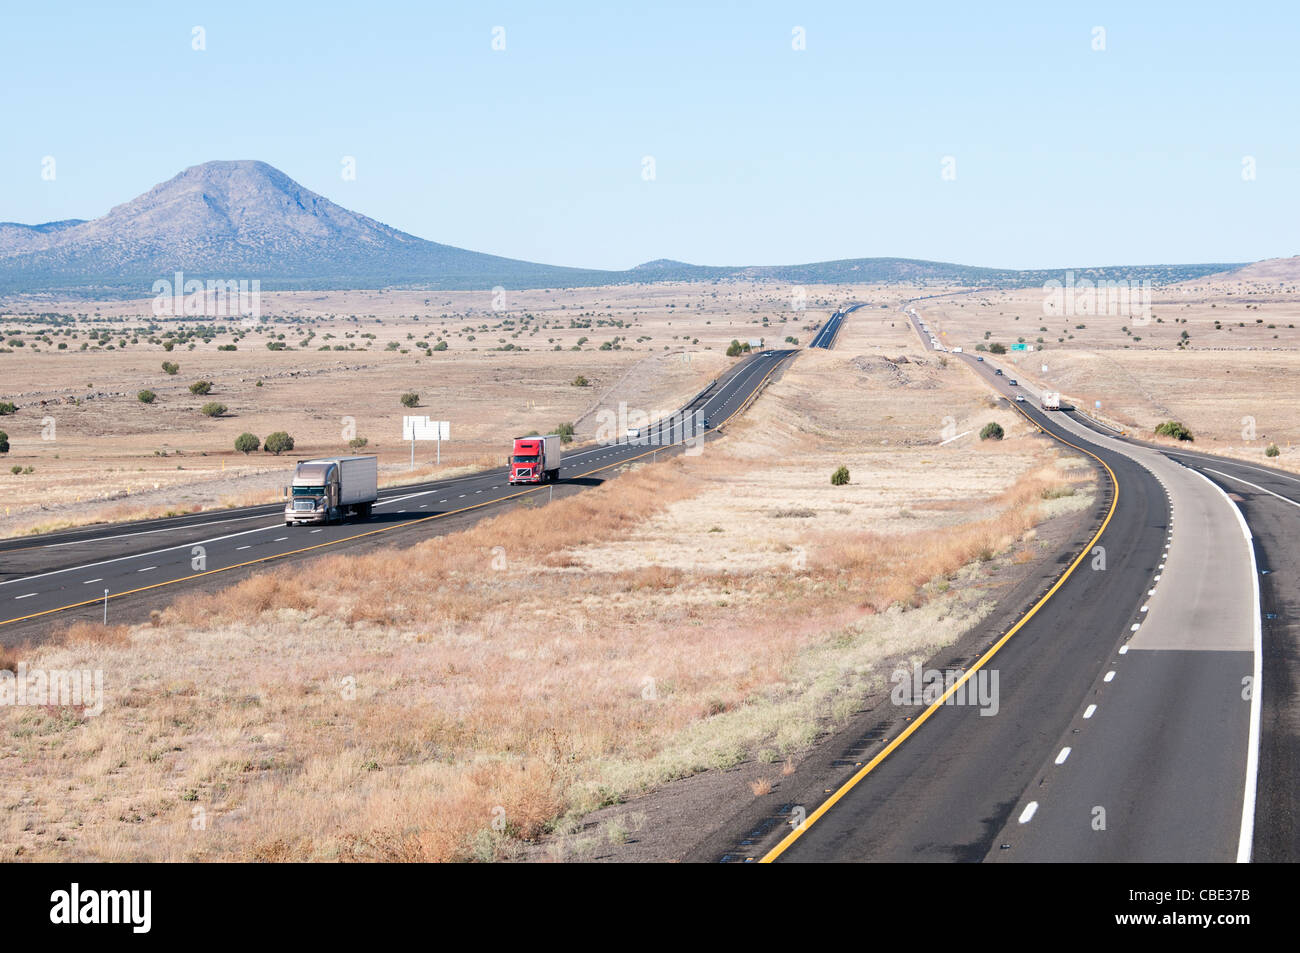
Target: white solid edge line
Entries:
(204, 542)
(147, 532)
(1247, 836)
(1284, 499)
(1235, 463)
(155, 552)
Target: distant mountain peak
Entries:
(244, 218)
(662, 264)
(236, 219)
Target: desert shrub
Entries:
(356, 443)
(992, 431)
(201, 388)
(410, 399)
(247, 443)
(565, 431)
(440, 346)
(278, 443)
(840, 477)
(1271, 450)
(213, 409)
(169, 367)
(735, 348)
(996, 348)
(7, 407)
(581, 381)
(4, 442)
(1172, 428)
(146, 396)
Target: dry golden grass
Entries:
(891, 569)
(451, 700)
(1232, 384)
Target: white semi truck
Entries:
(329, 490)
(1051, 400)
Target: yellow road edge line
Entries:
(871, 765)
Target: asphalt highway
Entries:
(826, 335)
(1127, 727)
(42, 576)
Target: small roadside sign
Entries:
(422, 428)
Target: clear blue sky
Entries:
(764, 155)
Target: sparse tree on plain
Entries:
(278, 443)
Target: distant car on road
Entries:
(1020, 398)
(997, 372)
(1013, 382)
(980, 359)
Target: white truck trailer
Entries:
(329, 490)
(1051, 400)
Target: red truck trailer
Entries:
(535, 459)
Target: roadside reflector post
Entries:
(105, 607)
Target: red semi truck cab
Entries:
(535, 459)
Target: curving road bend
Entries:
(1129, 722)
